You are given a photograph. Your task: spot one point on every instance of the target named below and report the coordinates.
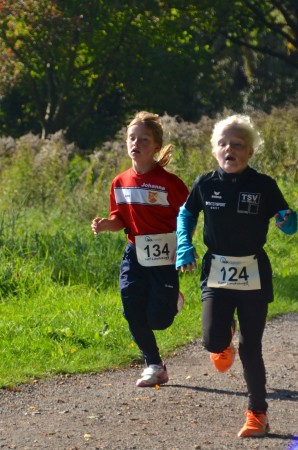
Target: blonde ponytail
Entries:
(165, 155)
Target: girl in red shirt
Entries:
(145, 201)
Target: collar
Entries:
(234, 177)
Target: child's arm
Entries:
(185, 252)
(100, 224)
(286, 221)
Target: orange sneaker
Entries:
(224, 360)
(256, 425)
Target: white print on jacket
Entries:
(248, 202)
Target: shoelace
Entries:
(254, 421)
(224, 354)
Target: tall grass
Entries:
(60, 310)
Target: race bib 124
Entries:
(233, 272)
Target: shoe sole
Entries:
(142, 383)
(259, 435)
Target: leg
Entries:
(161, 289)
(217, 317)
(252, 319)
(161, 308)
(134, 290)
(163, 296)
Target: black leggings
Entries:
(149, 297)
(218, 312)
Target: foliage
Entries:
(251, 24)
(84, 66)
(66, 54)
(52, 176)
(254, 52)
(279, 153)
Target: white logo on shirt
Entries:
(249, 202)
(136, 195)
(215, 205)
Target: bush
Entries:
(50, 193)
(51, 173)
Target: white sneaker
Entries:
(153, 375)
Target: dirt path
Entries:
(197, 409)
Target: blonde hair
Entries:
(152, 122)
(240, 123)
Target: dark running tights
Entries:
(216, 319)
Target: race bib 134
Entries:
(156, 249)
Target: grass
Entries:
(60, 310)
(64, 329)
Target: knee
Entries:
(160, 323)
(213, 346)
(215, 343)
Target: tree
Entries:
(78, 64)
(254, 49)
(64, 56)
(252, 23)
(83, 66)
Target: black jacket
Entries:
(237, 210)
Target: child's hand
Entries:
(97, 225)
(280, 221)
(189, 267)
(100, 224)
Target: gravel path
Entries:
(198, 409)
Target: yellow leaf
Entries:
(87, 436)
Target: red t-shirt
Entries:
(147, 203)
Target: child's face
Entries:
(232, 151)
(141, 146)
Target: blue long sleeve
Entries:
(185, 252)
(290, 226)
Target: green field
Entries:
(60, 310)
